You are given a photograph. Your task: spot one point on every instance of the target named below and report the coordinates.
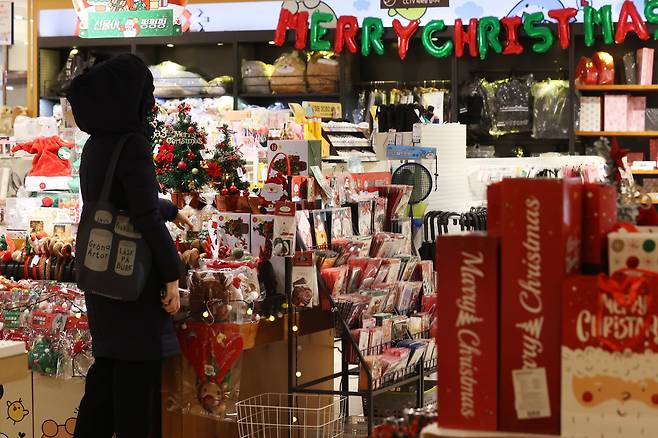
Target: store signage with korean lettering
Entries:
(131, 18)
(406, 4)
(131, 24)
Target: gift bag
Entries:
(276, 187)
(610, 355)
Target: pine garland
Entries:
(178, 159)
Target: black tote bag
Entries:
(112, 258)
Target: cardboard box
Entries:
(302, 154)
(599, 219)
(637, 113)
(590, 113)
(615, 112)
(56, 403)
(645, 66)
(541, 232)
(467, 336)
(609, 357)
(17, 416)
(13, 368)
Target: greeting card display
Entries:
(304, 229)
(285, 230)
(379, 214)
(541, 232)
(234, 230)
(304, 280)
(262, 233)
(468, 331)
(320, 229)
(610, 356)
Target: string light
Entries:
(206, 314)
(271, 318)
(250, 312)
(298, 374)
(295, 328)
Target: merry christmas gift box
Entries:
(261, 232)
(234, 230)
(610, 357)
(634, 250)
(302, 155)
(541, 232)
(645, 66)
(590, 113)
(615, 112)
(467, 335)
(637, 113)
(599, 219)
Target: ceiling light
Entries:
(220, 44)
(170, 45)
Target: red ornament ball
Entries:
(191, 155)
(182, 165)
(246, 193)
(190, 129)
(224, 191)
(233, 189)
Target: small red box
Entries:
(599, 219)
(467, 338)
(653, 149)
(540, 247)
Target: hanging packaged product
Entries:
(234, 230)
(610, 356)
(302, 155)
(262, 233)
(304, 280)
(285, 230)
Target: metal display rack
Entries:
(353, 363)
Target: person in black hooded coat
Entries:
(129, 339)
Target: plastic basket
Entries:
(291, 415)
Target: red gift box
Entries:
(495, 209)
(653, 149)
(467, 335)
(540, 247)
(609, 356)
(599, 219)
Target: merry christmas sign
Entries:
(610, 357)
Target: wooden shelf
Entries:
(636, 88)
(645, 172)
(616, 134)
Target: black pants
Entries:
(122, 398)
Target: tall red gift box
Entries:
(599, 219)
(540, 247)
(610, 357)
(467, 338)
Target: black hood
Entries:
(113, 97)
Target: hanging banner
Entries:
(131, 18)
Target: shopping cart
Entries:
(291, 415)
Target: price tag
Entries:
(531, 394)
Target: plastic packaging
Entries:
(550, 109)
(586, 72)
(507, 105)
(172, 80)
(605, 64)
(322, 73)
(288, 74)
(630, 68)
(219, 86)
(256, 77)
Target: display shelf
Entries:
(645, 172)
(305, 96)
(434, 431)
(616, 134)
(630, 88)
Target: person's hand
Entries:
(171, 300)
(182, 221)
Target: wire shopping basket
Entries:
(291, 415)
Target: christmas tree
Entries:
(178, 158)
(227, 167)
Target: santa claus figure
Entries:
(274, 189)
(131, 28)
